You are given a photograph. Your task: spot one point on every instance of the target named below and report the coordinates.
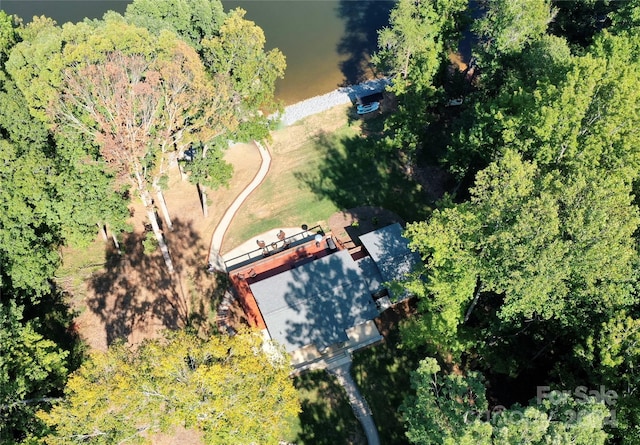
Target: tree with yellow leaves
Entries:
(227, 388)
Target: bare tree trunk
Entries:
(151, 214)
(203, 199)
(163, 207)
(103, 231)
(158, 233)
(116, 243)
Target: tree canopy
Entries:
(531, 261)
(453, 409)
(229, 388)
(90, 112)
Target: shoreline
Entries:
(317, 104)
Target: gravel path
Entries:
(343, 95)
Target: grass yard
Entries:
(326, 417)
(78, 265)
(282, 200)
(321, 165)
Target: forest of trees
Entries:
(531, 268)
(531, 263)
(91, 116)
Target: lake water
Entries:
(327, 42)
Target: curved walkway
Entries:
(358, 403)
(215, 259)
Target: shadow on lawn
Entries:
(136, 293)
(383, 374)
(363, 20)
(326, 416)
(352, 172)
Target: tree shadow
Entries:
(383, 374)
(363, 19)
(355, 172)
(323, 299)
(326, 416)
(135, 296)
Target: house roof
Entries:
(391, 253)
(317, 301)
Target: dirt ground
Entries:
(133, 297)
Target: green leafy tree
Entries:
(192, 20)
(31, 368)
(508, 26)
(207, 169)
(8, 35)
(34, 64)
(609, 357)
(53, 194)
(412, 50)
(450, 279)
(451, 409)
(28, 223)
(561, 420)
(227, 387)
(443, 409)
(237, 52)
(537, 245)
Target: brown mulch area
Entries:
(435, 181)
(388, 321)
(133, 298)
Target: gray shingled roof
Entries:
(391, 253)
(316, 302)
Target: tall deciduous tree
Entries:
(8, 35)
(412, 51)
(237, 52)
(413, 46)
(539, 245)
(509, 25)
(444, 406)
(226, 387)
(143, 104)
(207, 169)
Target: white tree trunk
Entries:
(183, 175)
(165, 210)
(158, 233)
(151, 214)
(103, 231)
(115, 242)
(476, 297)
(203, 196)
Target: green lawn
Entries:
(320, 166)
(326, 417)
